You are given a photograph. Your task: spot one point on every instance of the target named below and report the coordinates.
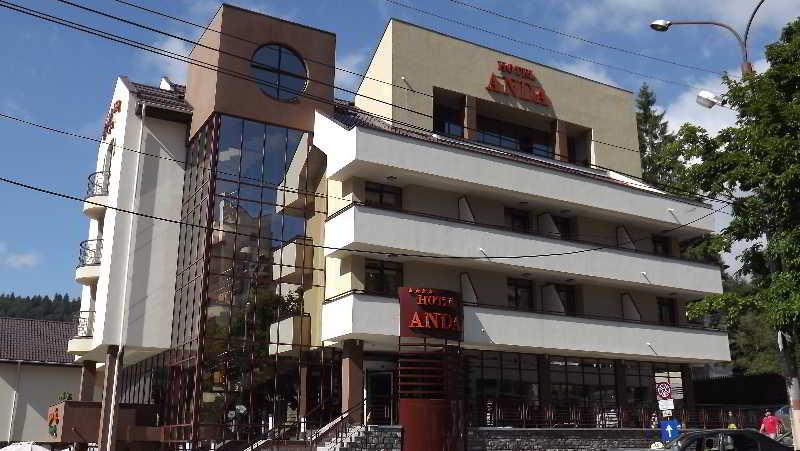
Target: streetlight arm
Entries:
(750, 22)
(742, 43)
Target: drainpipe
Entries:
(14, 403)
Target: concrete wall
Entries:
(366, 228)
(37, 387)
(361, 316)
(372, 154)
(428, 59)
(138, 264)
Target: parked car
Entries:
(724, 440)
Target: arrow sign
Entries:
(669, 430)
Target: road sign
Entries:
(669, 429)
(664, 390)
(666, 404)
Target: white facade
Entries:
(128, 294)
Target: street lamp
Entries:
(706, 98)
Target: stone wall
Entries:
(501, 439)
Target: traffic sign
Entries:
(669, 429)
(664, 390)
(666, 404)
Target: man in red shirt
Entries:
(769, 425)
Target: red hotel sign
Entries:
(518, 82)
(430, 313)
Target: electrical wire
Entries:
(330, 248)
(218, 69)
(540, 47)
(584, 40)
(208, 66)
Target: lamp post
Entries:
(706, 98)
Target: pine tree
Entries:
(661, 165)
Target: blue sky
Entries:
(64, 78)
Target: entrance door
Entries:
(380, 392)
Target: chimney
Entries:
(166, 83)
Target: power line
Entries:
(187, 59)
(231, 73)
(319, 246)
(584, 40)
(541, 47)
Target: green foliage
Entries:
(758, 160)
(58, 308)
(661, 165)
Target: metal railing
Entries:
(522, 414)
(98, 184)
(84, 323)
(90, 252)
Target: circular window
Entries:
(279, 71)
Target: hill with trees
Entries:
(58, 308)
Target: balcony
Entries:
(81, 343)
(88, 270)
(97, 195)
(457, 165)
(373, 229)
(296, 261)
(360, 316)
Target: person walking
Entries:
(770, 424)
(731, 421)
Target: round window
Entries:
(279, 72)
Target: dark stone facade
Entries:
(502, 439)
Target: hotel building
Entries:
(464, 244)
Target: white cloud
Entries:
(631, 16)
(15, 108)
(589, 70)
(685, 109)
(353, 62)
(166, 65)
(17, 260)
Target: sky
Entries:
(64, 78)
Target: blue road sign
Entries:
(669, 429)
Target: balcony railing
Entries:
(98, 184)
(90, 252)
(84, 323)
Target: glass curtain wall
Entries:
(241, 366)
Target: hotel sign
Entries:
(430, 313)
(108, 124)
(517, 81)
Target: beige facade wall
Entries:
(37, 387)
(422, 59)
(376, 90)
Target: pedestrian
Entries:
(654, 421)
(770, 424)
(731, 421)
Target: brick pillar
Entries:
(560, 140)
(88, 375)
(106, 440)
(470, 117)
(352, 375)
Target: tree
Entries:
(661, 165)
(757, 162)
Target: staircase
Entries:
(367, 438)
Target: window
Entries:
(738, 442)
(383, 277)
(279, 71)
(567, 295)
(448, 121)
(564, 226)
(666, 311)
(517, 220)
(520, 293)
(383, 195)
(661, 245)
(514, 137)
